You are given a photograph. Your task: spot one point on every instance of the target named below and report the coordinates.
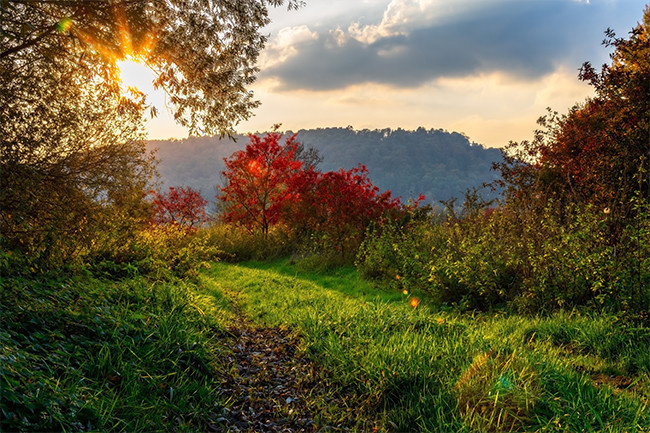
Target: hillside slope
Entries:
(436, 163)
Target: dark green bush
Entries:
(400, 255)
(557, 257)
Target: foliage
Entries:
(160, 250)
(179, 206)
(398, 253)
(203, 52)
(597, 153)
(92, 355)
(259, 180)
(73, 164)
(333, 209)
(79, 169)
(236, 244)
(267, 186)
(529, 261)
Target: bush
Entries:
(558, 257)
(236, 244)
(400, 254)
(158, 251)
(475, 267)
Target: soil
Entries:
(271, 386)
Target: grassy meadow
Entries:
(426, 369)
(87, 354)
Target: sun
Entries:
(135, 74)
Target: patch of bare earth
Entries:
(272, 387)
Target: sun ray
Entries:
(123, 30)
(129, 55)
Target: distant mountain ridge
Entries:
(433, 162)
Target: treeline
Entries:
(439, 164)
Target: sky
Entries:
(486, 68)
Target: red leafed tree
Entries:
(182, 206)
(259, 181)
(338, 206)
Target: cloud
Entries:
(491, 108)
(418, 41)
(284, 45)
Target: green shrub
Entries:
(533, 259)
(158, 251)
(236, 244)
(400, 254)
(474, 267)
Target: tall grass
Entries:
(79, 354)
(420, 369)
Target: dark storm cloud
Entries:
(526, 39)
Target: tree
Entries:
(72, 159)
(259, 180)
(268, 185)
(182, 206)
(598, 153)
(73, 167)
(203, 51)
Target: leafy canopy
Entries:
(202, 51)
(258, 181)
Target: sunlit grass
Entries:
(420, 369)
(93, 355)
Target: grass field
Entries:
(422, 369)
(81, 354)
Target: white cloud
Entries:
(402, 16)
(283, 46)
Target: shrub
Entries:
(236, 244)
(400, 255)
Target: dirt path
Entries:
(266, 382)
(272, 387)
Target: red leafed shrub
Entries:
(182, 206)
(338, 206)
(268, 185)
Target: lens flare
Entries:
(64, 25)
(254, 167)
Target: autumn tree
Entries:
(599, 152)
(182, 206)
(266, 185)
(258, 181)
(337, 207)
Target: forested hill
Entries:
(436, 163)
